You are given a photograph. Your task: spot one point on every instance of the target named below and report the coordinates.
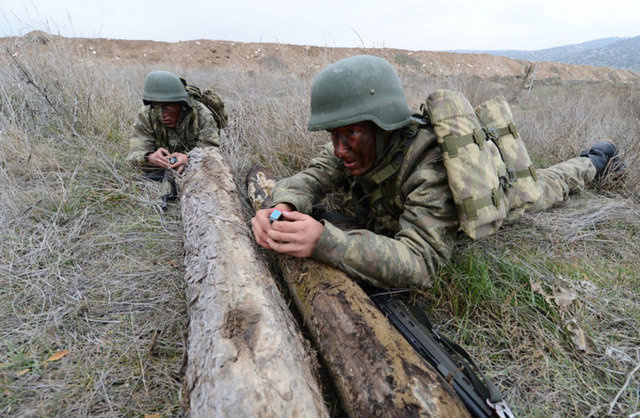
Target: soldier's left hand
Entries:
(179, 165)
(297, 235)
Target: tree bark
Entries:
(375, 370)
(246, 356)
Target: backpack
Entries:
(496, 115)
(488, 168)
(211, 100)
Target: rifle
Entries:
(169, 188)
(481, 399)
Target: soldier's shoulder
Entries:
(143, 112)
(426, 135)
(422, 154)
(201, 108)
(327, 152)
(424, 146)
(144, 109)
(143, 115)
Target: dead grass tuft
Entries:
(91, 266)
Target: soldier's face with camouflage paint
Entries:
(355, 145)
(170, 112)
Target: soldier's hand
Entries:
(297, 235)
(261, 224)
(160, 158)
(182, 160)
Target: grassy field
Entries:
(92, 312)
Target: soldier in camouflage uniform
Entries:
(169, 125)
(396, 179)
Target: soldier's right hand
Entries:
(159, 158)
(261, 224)
(297, 235)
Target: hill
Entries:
(621, 53)
(307, 59)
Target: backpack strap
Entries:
(510, 129)
(506, 130)
(420, 143)
(470, 206)
(159, 131)
(451, 143)
(411, 145)
(379, 199)
(188, 120)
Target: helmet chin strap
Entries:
(382, 143)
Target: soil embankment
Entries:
(308, 59)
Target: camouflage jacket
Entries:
(410, 221)
(409, 217)
(195, 128)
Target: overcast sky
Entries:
(407, 24)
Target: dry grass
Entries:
(91, 266)
(527, 338)
(88, 264)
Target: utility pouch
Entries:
(477, 176)
(496, 115)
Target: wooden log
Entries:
(246, 356)
(375, 370)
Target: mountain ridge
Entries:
(614, 52)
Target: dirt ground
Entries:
(308, 59)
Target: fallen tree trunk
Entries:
(375, 370)
(246, 356)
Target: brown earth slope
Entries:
(306, 59)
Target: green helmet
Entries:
(356, 89)
(163, 86)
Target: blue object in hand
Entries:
(276, 215)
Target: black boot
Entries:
(603, 154)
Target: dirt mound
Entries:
(308, 59)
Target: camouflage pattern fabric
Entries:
(212, 100)
(391, 249)
(474, 164)
(559, 180)
(496, 114)
(196, 127)
(407, 240)
(259, 183)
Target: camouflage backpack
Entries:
(488, 167)
(495, 115)
(211, 100)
